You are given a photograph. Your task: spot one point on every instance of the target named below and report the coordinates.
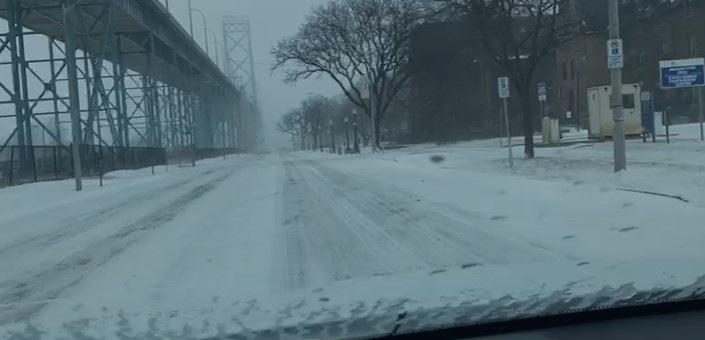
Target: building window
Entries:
(628, 101)
(693, 45)
(572, 68)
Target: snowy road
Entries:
(259, 226)
(339, 226)
(305, 223)
(55, 249)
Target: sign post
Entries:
(683, 73)
(647, 115)
(503, 88)
(615, 54)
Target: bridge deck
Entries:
(174, 52)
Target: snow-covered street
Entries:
(258, 226)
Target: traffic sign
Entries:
(682, 73)
(647, 111)
(503, 87)
(615, 54)
(542, 92)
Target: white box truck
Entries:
(600, 114)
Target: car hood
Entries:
(374, 306)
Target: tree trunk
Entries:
(527, 123)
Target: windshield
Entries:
(341, 169)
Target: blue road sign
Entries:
(542, 91)
(682, 73)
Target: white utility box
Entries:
(601, 123)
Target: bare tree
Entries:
(308, 120)
(359, 44)
(294, 123)
(518, 35)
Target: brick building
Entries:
(454, 81)
(652, 30)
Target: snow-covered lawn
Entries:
(676, 169)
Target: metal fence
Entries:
(19, 165)
(213, 153)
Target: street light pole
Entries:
(347, 136)
(332, 137)
(205, 27)
(357, 146)
(190, 18)
(320, 137)
(620, 153)
(215, 42)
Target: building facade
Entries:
(652, 30)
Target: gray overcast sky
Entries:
(271, 20)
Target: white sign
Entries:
(615, 54)
(645, 96)
(568, 115)
(682, 73)
(503, 87)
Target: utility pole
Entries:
(616, 103)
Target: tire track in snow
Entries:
(71, 227)
(338, 227)
(457, 241)
(21, 297)
(324, 238)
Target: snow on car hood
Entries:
(372, 306)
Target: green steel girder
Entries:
(115, 106)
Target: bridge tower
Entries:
(240, 69)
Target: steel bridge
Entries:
(115, 73)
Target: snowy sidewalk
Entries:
(32, 198)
